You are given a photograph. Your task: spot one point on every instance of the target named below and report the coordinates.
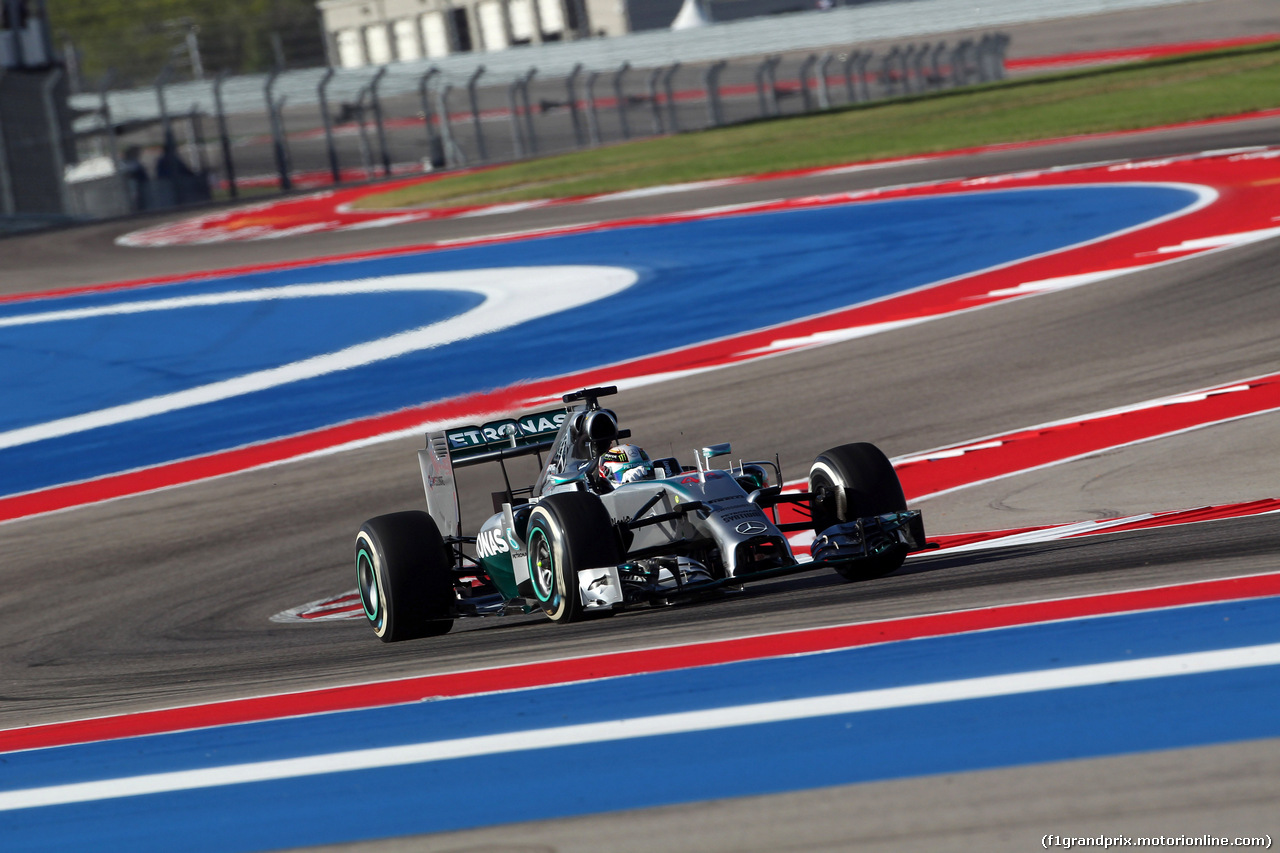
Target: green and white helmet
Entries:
(624, 464)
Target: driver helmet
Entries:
(624, 464)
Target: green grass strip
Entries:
(1149, 94)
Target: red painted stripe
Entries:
(1191, 516)
(1039, 446)
(1130, 54)
(1034, 447)
(329, 611)
(1156, 520)
(955, 540)
(633, 663)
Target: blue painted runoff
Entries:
(529, 784)
(697, 281)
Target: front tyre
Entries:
(855, 481)
(404, 577)
(568, 532)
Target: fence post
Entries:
(771, 71)
(715, 115)
(55, 136)
(807, 71)
(335, 170)
(863, 78)
(824, 94)
(912, 68)
(376, 103)
(7, 205)
(760, 80)
(671, 96)
(936, 78)
(473, 100)
(593, 119)
(195, 127)
(161, 80)
(513, 103)
(366, 155)
(224, 138)
(277, 131)
(806, 68)
(424, 83)
(850, 85)
(888, 68)
(452, 153)
(653, 101)
(571, 84)
(959, 63)
(284, 139)
(531, 135)
(621, 99)
(104, 110)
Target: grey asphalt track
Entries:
(164, 599)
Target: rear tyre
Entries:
(568, 532)
(855, 481)
(404, 577)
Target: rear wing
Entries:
(471, 445)
(461, 447)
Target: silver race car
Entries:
(604, 527)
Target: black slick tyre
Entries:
(855, 481)
(404, 577)
(566, 533)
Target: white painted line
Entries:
(1049, 534)
(383, 222)
(834, 336)
(662, 724)
(495, 209)
(1065, 282)
(512, 295)
(666, 189)
(1091, 453)
(1243, 385)
(951, 453)
(1221, 241)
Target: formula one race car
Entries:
(605, 528)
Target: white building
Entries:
(374, 32)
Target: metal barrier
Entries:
(325, 138)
